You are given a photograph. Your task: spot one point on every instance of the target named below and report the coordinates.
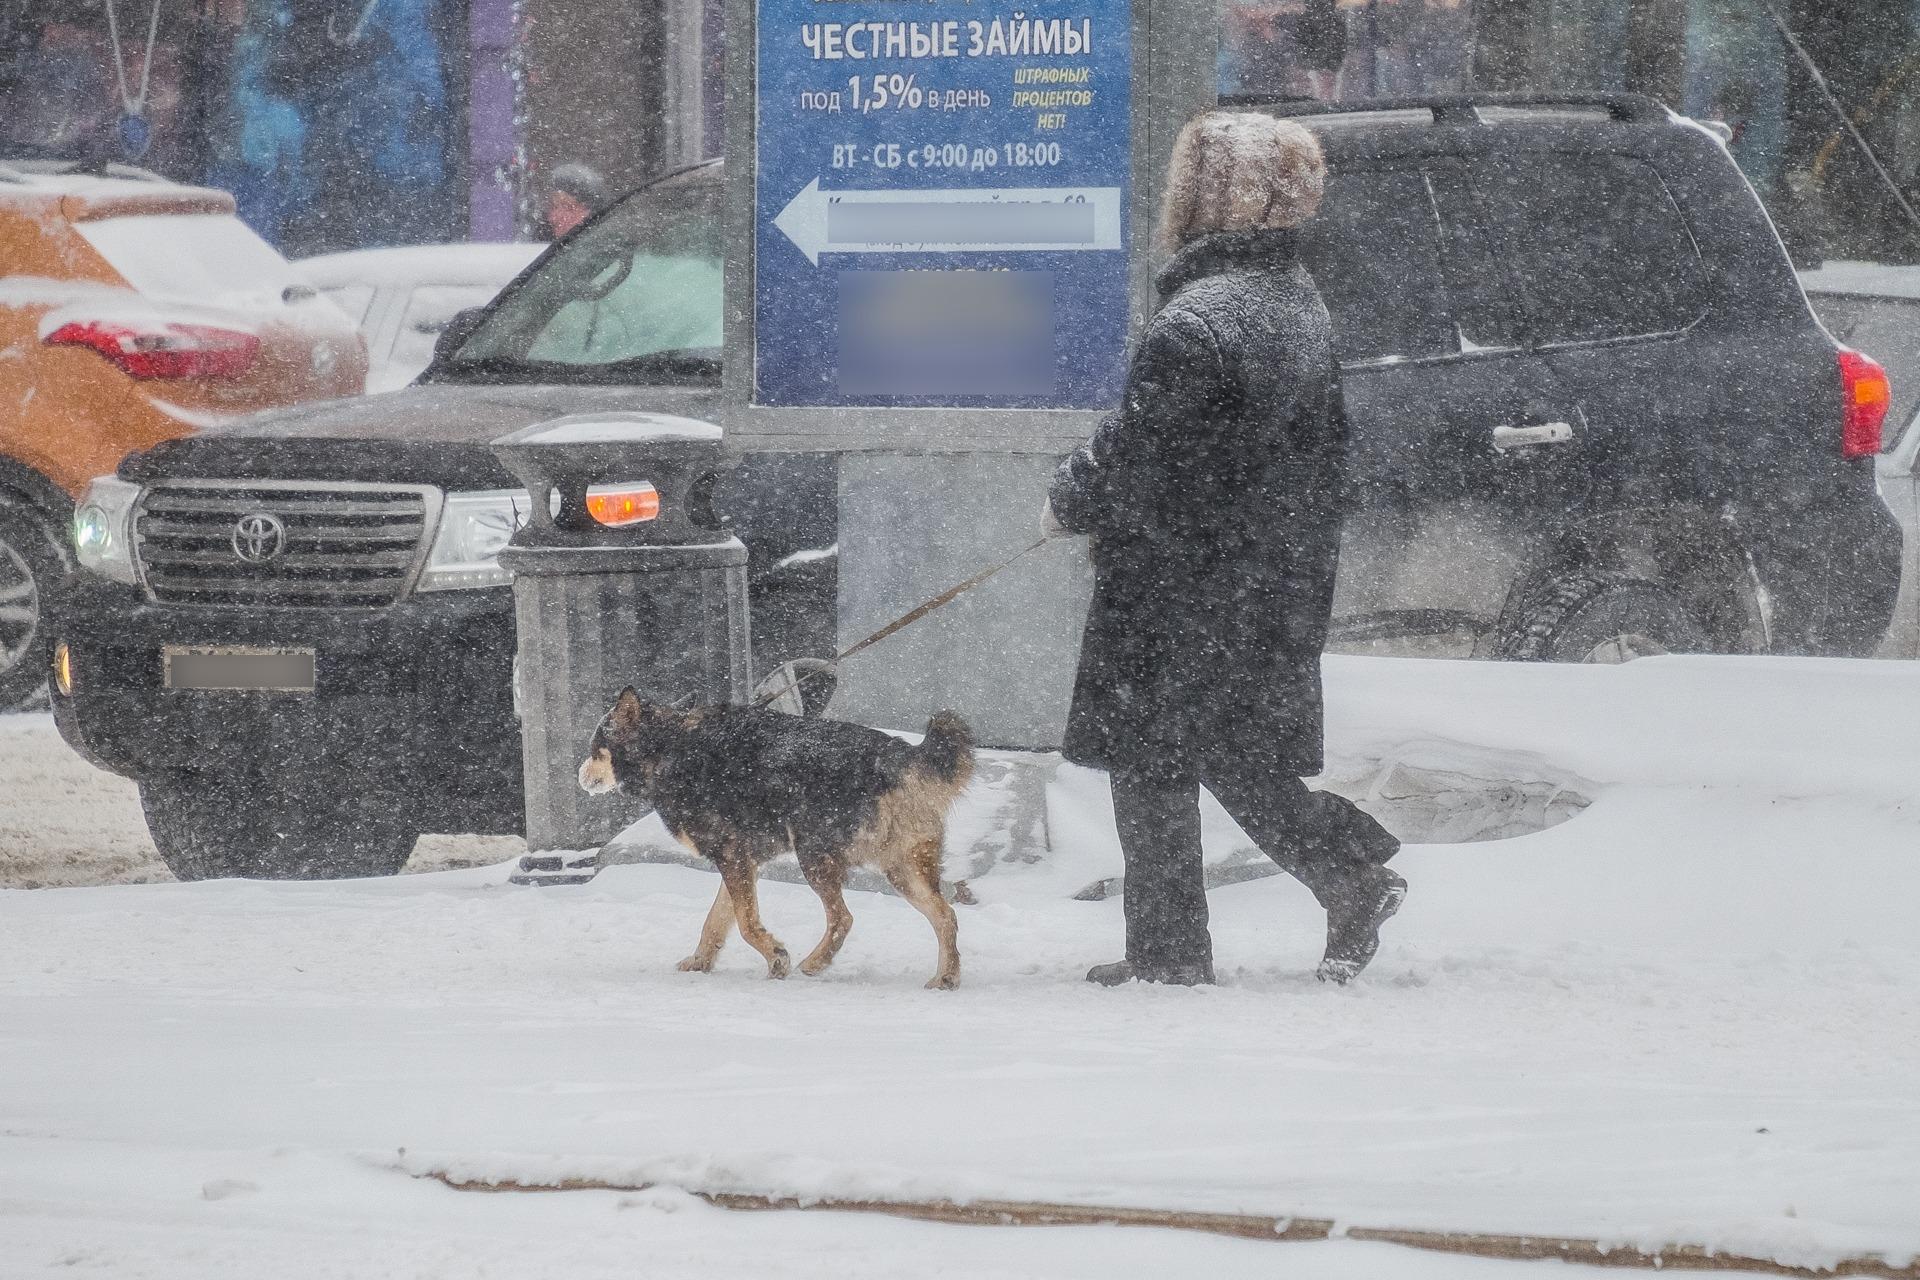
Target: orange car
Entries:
(132, 311)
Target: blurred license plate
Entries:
(265, 670)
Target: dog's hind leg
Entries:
(738, 872)
(917, 879)
(827, 875)
(713, 935)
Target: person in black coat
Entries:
(1320, 38)
(1214, 497)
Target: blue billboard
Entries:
(941, 203)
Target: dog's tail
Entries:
(945, 755)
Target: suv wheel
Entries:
(1587, 616)
(33, 560)
(208, 826)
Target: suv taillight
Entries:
(1865, 393)
(162, 350)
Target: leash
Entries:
(900, 623)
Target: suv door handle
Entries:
(1511, 437)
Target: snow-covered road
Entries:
(1690, 1014)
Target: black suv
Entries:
(1592, 414)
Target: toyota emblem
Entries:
(259, 537)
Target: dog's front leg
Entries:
(738, 873)
(713, 935)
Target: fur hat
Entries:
(1240, 171)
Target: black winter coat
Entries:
(1213, 497)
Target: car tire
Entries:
(211, 826)
(33, 564)
(1590, 616)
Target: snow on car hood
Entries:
(459, 414)
(436, 433)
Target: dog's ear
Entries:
(628, 710)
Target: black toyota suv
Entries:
(1592, 417)
(376, 523)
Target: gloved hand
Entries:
(1050, 527)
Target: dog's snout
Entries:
(596, 773)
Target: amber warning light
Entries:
(619, 505)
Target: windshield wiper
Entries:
(691, 362)
(483, 369)
(694, 364)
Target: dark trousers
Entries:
(1315, 836)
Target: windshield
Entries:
(636, 293)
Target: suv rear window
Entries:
(1594, 243)
(1374, 251)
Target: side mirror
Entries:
(457, 331)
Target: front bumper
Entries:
(416, 696)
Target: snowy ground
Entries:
(1689, 1014)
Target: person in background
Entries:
(575, 193)
(1213, 496)
(1320, 36)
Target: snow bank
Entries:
(1783, 727)
(1873, 279)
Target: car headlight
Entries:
(103, 528)
(473, 529)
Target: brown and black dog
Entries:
(741, 785)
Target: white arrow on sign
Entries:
(961, 220)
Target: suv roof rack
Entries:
(1631, 108)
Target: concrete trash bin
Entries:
(623, 575)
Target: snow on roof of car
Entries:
(41, 180)
(1871, 279)
(407, 265)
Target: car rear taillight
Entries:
(163, 350)
(1865, 393)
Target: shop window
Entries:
(1593, 243)
(1736, 73)
(1374, 250)
(1345, 50)
(58, 95)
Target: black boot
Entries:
(1121, 972)
(1355, 913)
